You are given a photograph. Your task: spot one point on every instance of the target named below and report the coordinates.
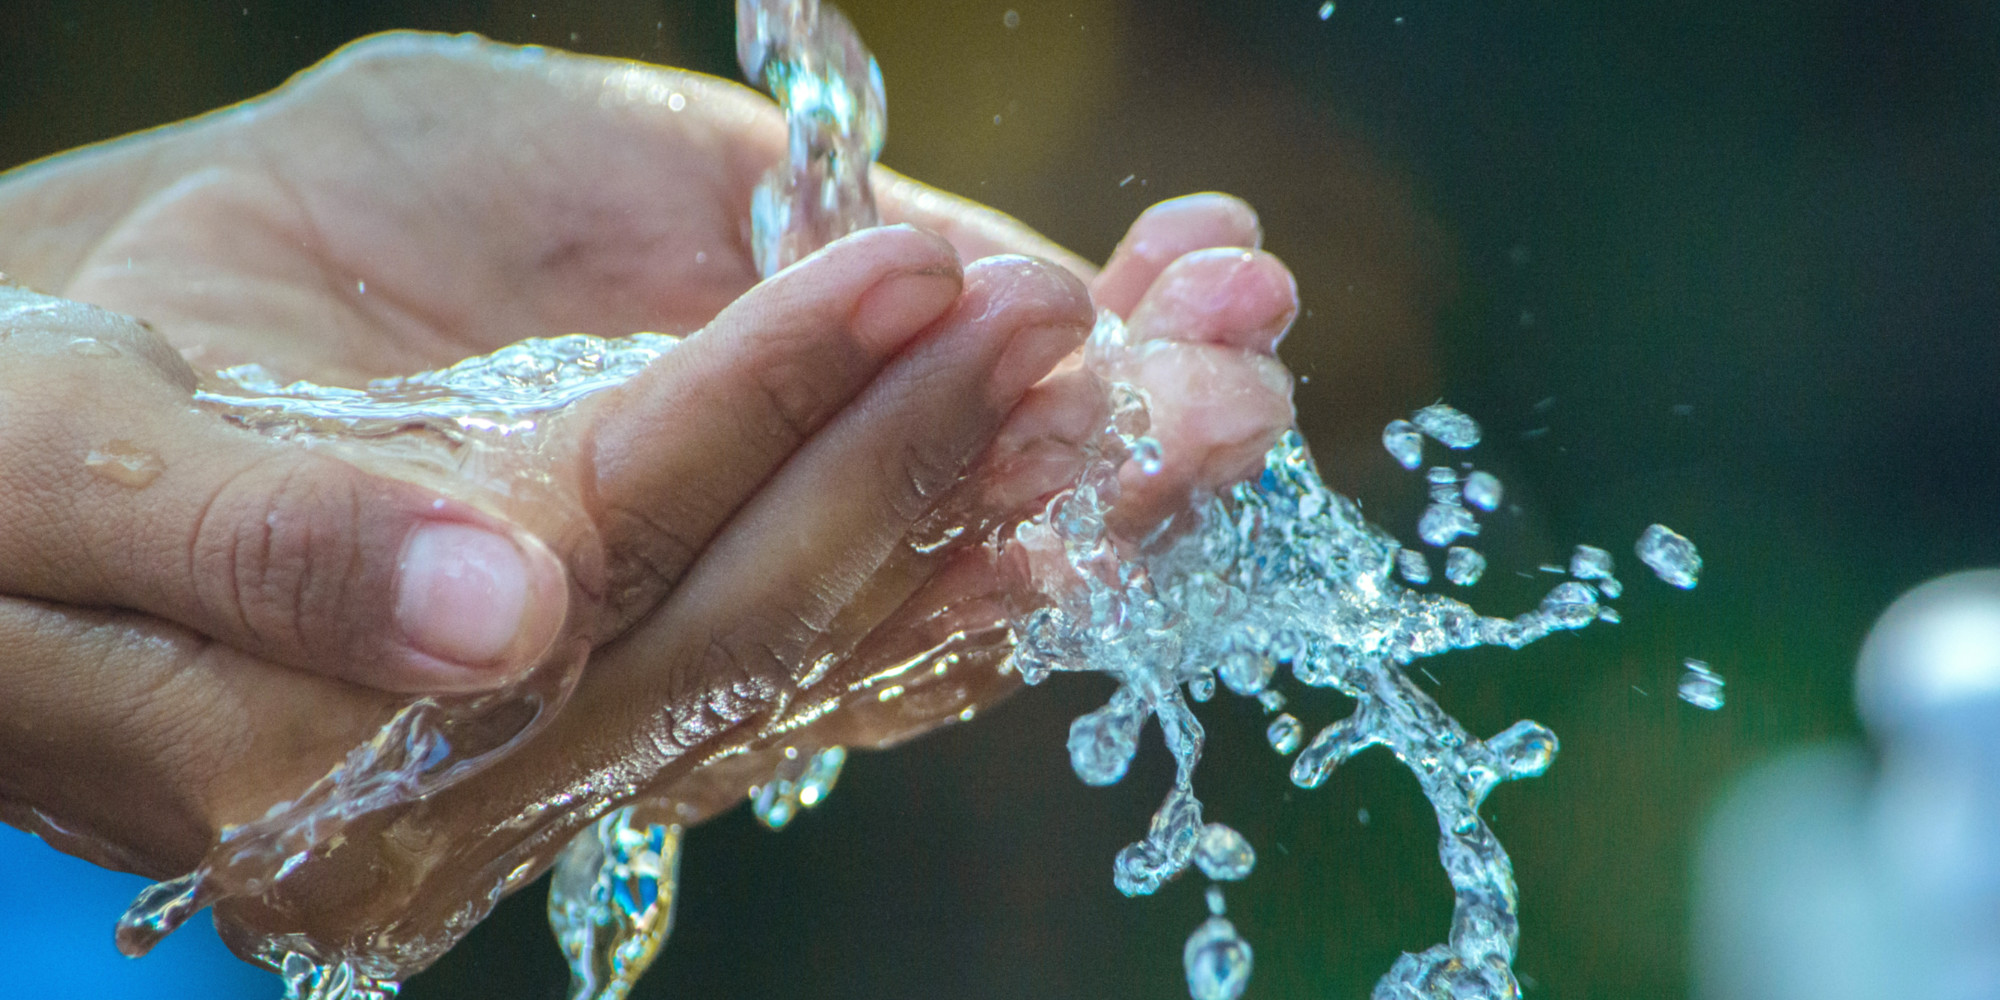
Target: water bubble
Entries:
(1223, 854)
(1285, 734)
(1447, 426)
(1701, 686)
(1413, 566)
(1012, 19)
(1326, 10)
(1443, 522)
(1463, 566)
(1671, 556)
(125, 463)
(1404, 443)
(1482, 490)
(1217, 961)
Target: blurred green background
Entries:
(1734, 267)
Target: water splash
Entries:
(1281, 577)
(812, 61)
(611, 901)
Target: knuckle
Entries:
(792, 394)
(276, 551)
(921, 473)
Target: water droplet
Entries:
(1247, 673)
(1589, 562)
(91, 347)
(1270, 699)
(1701, 686)
(125, 463)
(1011, 19)
(1361, 816)
(1217, 961)
(1444, 484)
(1285, 734)
(1404, 443)
(1482, 490)
(1202, 688)
(1447, 426)
(1326, 10)
(1101, 743)
(1672, 557)
(1146, 453)
(1223, 854)
(361, 288)
(1463, 566)
(1215, 902)
(1443, 522)
(1416, 570)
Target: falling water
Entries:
(1281, 580)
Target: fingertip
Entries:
(478, 608)
(1167, 231)
(1045, 310)
(1222, 295)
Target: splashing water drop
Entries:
(1285, 733)
(1217, 960)
(611, 901)
(1701, 686)
(1443, 522)
(1223, 854)
(1463, 566)
(1404, 443)
(1415, 569)
(1482, 490)
(1671, 556)
(124, 463)
(1447, 426)
(1102, 743)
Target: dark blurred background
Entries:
(1734, 267)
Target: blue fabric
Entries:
(56, 915)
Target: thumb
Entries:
(118, 492)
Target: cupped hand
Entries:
(189, 649)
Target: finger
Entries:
(1162, 234)
(832, 526)
(134, 741)
(1226, 296)
(120, 493)
(977, 231)
(1217, 396)
(677, 450)
(708, 673)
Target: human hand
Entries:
(236, 236)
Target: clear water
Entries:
(1281, 581)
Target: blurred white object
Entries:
(1828, 876)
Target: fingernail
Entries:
(1030, 355)
(1190, 222)
(893, 311)
(463, 596)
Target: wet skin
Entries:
(724, 542)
